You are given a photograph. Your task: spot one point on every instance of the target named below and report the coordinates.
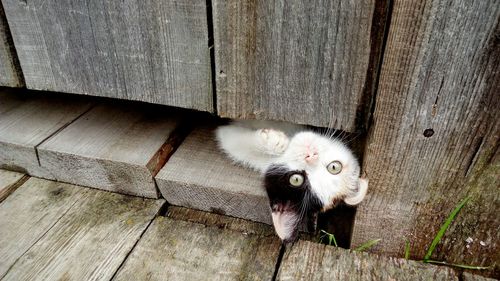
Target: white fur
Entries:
(258, 144)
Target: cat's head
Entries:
(331, 174)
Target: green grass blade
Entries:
(407, 250)
(334, 241)
(367, 245)
(464, 266)
(443, 228)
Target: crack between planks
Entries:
(13, 187)
(40, 238)
(60, 129)
(162, 208)
(278, 262)
(211, 49)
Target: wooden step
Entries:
(312, 261)
(26, 120)
(174, 249)
(57, 231)
(199, 176)
(117, 147)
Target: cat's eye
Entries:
(296, 180)
(334, 167)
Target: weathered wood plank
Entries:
(28, 213)
(26, 120)
(199, 176)
(312, 261)
(436, 133)
(292, 60)
(473, 277)
(115, 147)
(9, 181)
(221, 221)
(154, 51)
(10, 70)
(191, 251)
(90, 241)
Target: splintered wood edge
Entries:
(220, 221)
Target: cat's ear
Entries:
(356, 197)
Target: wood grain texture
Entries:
(199, 176)
(298, 61)
(435, 133)
(9, 181)
(10, 71)
(26, 120)
(90, 241)
(28, 213)
(312, 261)
(473, 277)
(154, 51)
(111, 147)
(179, 250)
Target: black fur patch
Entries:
(285, 197)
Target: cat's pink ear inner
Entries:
(358, 196)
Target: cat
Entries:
(304, 172)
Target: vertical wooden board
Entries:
(10, 71)
(299, 61)
(435, 133)
(154, 51)
(26, 120)
(200, 176)
(312, 261)
(28, 213)
(90, 241)
(191, 251)
(117, 147)
(9, 181)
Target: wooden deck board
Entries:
(112, 147)
(179, 250)
(199, 176)
(26, 120)
(10, 70)
(91, 237)
(312, 261)
(28, 213)
(9, 182)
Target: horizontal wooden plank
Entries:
(312, 261)
(28, 213)
(116, 147)
(91, 238)
(199, 176)
(26, 120)
(154, 51)
(299, 61)
(473, 277)
(436, 134)
(10, 70)
(9, 181)
(179, 250)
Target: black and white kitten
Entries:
(304, 172)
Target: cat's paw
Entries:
(273, 142)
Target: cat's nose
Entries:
(311, 155)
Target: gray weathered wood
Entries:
(90, 240)
(473, 277)
(436, 133)
(312, 261)
(10, 71)
(292, 60)
(178, 250)
(28, 213)
(154, 51)
(26, 120)
(199, 176)
(117, 147)
(9, 181)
